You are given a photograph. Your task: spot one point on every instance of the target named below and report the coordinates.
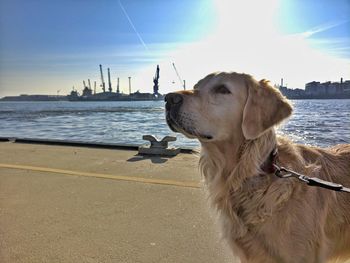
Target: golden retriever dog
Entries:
(264, 218)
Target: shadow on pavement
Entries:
(153, 159)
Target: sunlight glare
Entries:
(247, 40)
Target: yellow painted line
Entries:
(105, 176)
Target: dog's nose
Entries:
(173, 98)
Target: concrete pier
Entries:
(73, 204)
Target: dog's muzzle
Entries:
(172, 107)
(177, 120)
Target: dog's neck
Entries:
(224, 154)
(230, 171)
(237, 161)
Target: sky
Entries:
(47, 47)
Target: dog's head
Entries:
(223, 105)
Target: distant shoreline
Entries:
(55, 98)
(319, 98)
(66, 98)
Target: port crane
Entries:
(109, 81)
(183, 82)
(156, 82)
(102, 80)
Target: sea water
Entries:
(314, 122)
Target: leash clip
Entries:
(282, 172)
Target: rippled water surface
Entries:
(316, 122)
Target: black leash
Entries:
(282, 172)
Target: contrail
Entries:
(132, 25)
(324, 27)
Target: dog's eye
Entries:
(222, 90)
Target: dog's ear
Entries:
(264, 108)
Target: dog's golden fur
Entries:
(265, 218)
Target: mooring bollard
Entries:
(158, 147)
